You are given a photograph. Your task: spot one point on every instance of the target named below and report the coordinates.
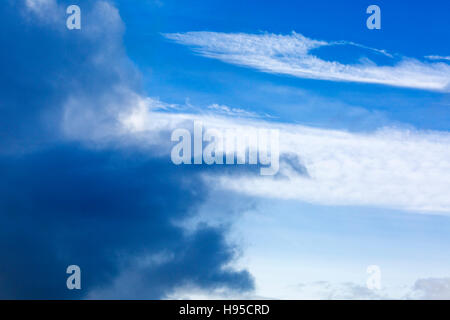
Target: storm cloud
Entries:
(67, 199)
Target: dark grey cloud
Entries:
(110, 209)
(103, 211)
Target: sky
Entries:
(86, 125)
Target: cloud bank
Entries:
(66, 196)
(391, 168)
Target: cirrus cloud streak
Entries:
(291, 55)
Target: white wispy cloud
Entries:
(390, 168)
(434, 57)
(46, 11)
(40, 5)
(291, 55)
(229, 111)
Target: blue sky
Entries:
(86, 117)
(206, 81)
